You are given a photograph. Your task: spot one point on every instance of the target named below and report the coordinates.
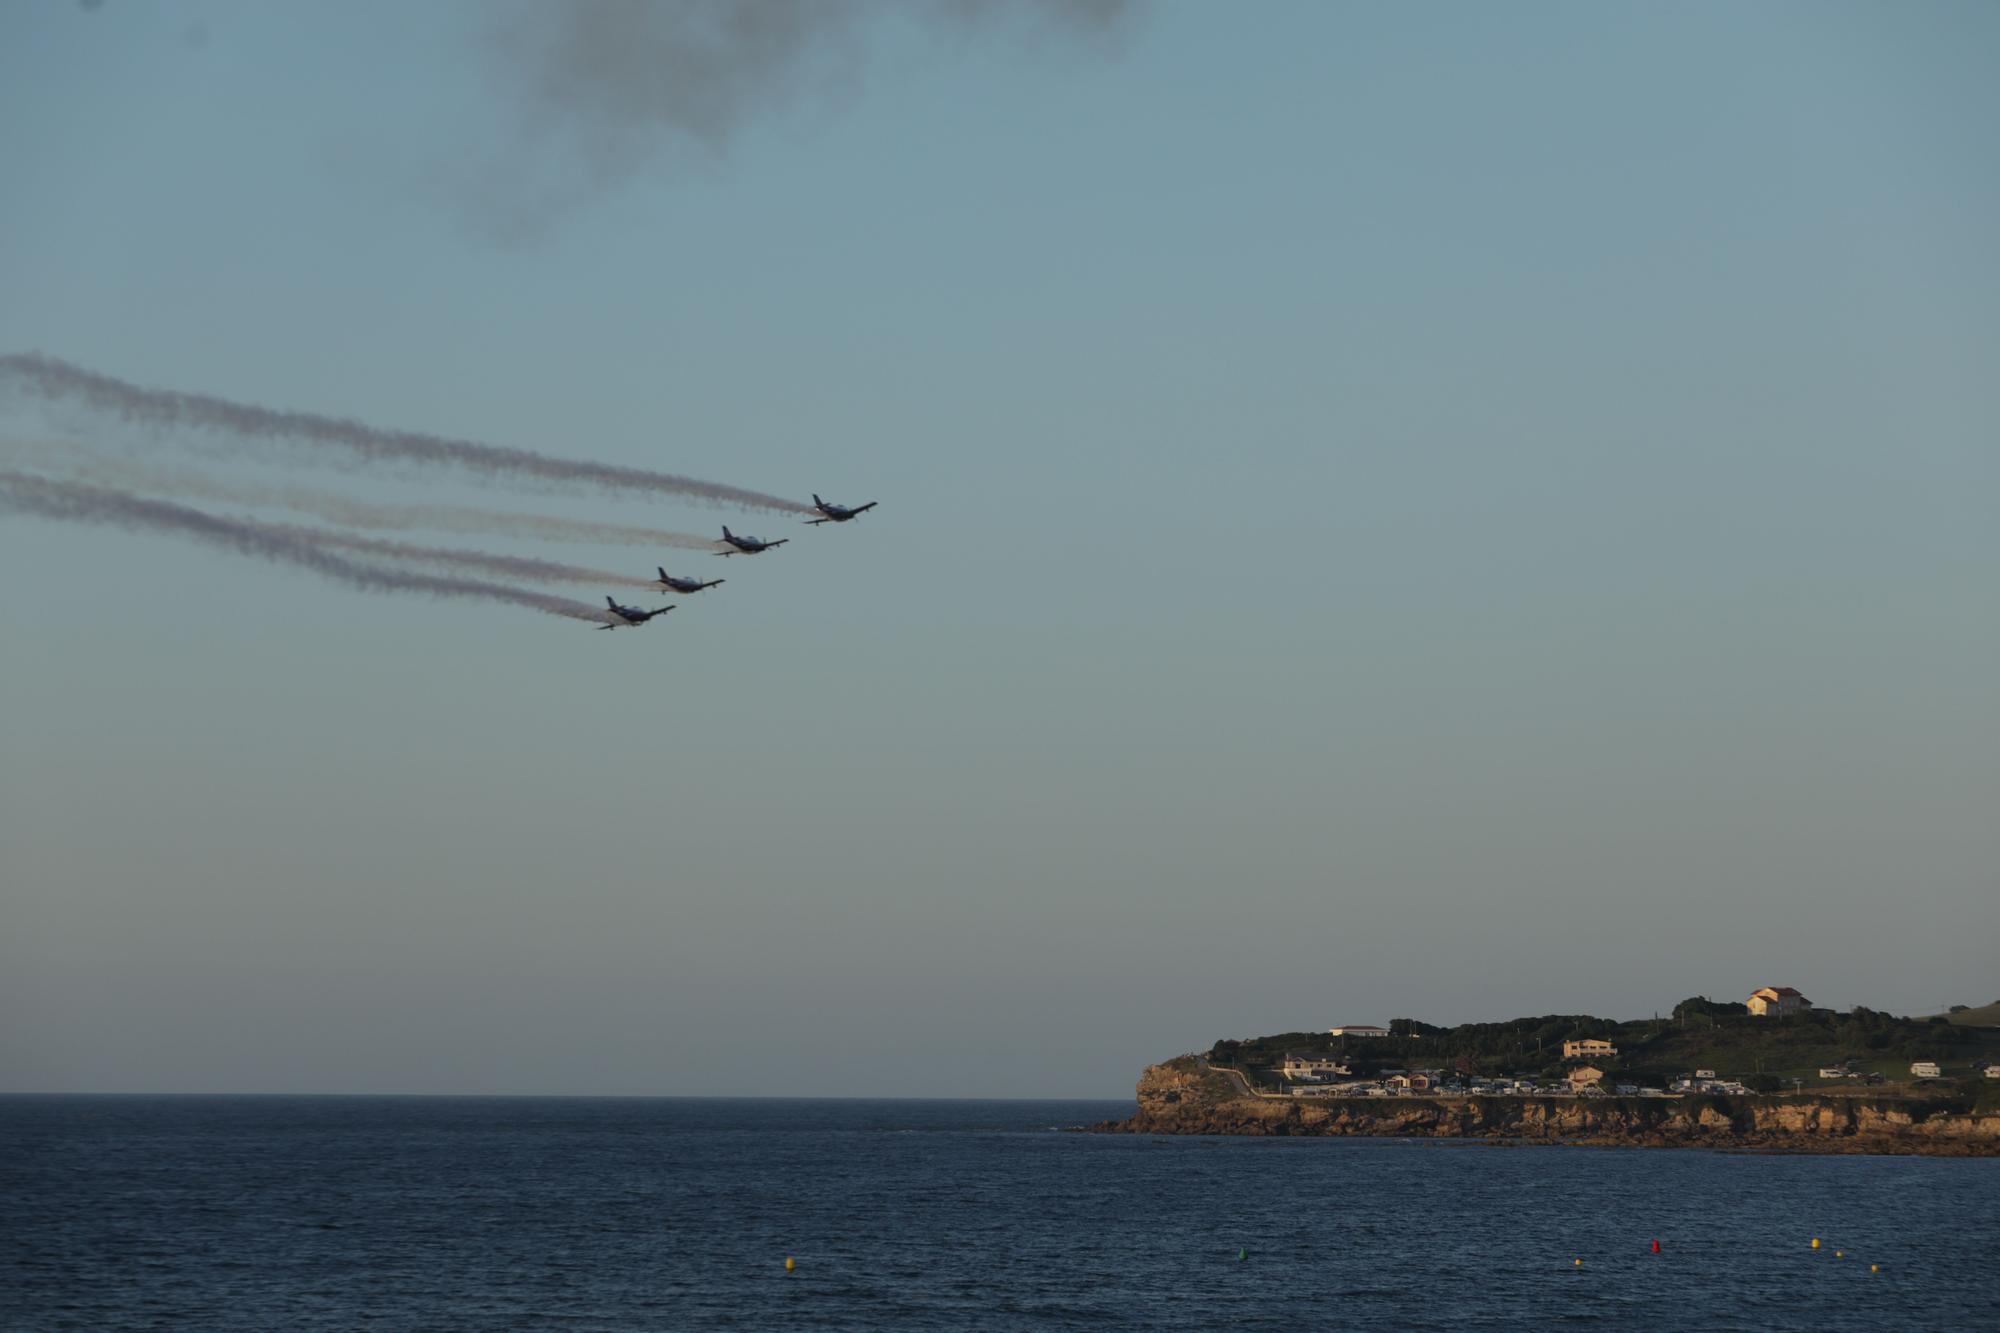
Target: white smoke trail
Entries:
(163, 407)
(74, 502)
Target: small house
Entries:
(1925, 1069)
(1310, 1067)
(1776, 1002)
(1584, 1076)
(1589, 1048)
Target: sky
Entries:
(1442, 512)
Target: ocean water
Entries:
(283, 1213)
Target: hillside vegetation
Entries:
(1985, 1016)
(1764, 1053)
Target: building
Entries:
(1305, 1065)
(1588, 1048)
(1584, 1076)
(1993, 1071)
(1926, 1069)
(1776, 1002)
(1836, 1071)
(1358, 1030)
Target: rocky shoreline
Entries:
(1186, 1096)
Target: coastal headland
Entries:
(1763, 1084)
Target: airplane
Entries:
(672, 584)
(631, 615)
(747, 545)
(837, 513)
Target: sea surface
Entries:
(289, 1213)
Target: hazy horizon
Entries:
(1446, 513)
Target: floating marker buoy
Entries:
(1815, 1242)
(1241, 1255)
(790, 1263)
(1579, 1263)
(1839, 1254)
(1874, 1268)
(1656, 1247)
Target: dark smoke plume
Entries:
(74, 502)
(164, 407)
(606, 88)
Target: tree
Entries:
(1700, 1006)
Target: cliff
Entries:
(1187, 1096)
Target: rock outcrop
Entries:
(1187, 1096)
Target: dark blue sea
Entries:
(285, 1213)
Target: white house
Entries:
(1925, 1069)
(1313, 1068)
(1358, 1030)
(1993, 1071)
(1776, 1002)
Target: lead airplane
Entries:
(671, 584)
(747, 545)
(837, 513)
(630, 615)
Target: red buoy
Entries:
(1656, 1247)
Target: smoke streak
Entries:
(75, 502)
(346, 510)
(163, 407)
(604, 89)
(507, 566)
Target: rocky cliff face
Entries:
(1185, 1096)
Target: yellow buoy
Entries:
(1815, 1242)
(1579, 1263)
(790, 1263)
(1874, 1268)
(1839, 1254)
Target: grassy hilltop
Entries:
(1767, 1054)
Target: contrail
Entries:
(164, 407)
(77, 503)
(346, 510)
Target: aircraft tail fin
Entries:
(663, 572)
(613, 605)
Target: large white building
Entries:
(1359, 1030)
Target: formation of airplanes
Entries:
(621, 617)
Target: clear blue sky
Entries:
(1445, 511)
